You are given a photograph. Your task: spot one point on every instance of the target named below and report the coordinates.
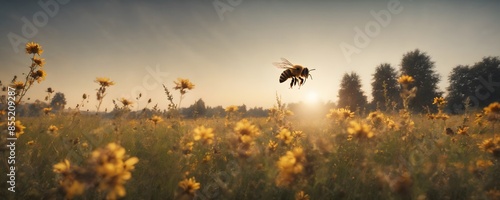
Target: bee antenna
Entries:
(312, 69)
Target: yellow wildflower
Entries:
(156, 119)
(126, 102)
(39, 75)
(232, 108)
(376, 118)
(47, 110)
(204, 134)
(285, 135)
(69, 184)
(183, 84)
(463, 130)
(272, 145)
(391, 124)
(39, 61)
(491, 145)
(112, 170)
(18, 85)
(492, 112)
(244, 127)
(340, 114)
(33, 48)
(187, 148)
(359, 130)
(104, 82)
(187, 189)
(290, 165)
(62, 167)
(439, 101)
(442, 116)
(298, 134)
(405, 80)
(19, 128)
(52, 129)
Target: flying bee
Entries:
(296, 72)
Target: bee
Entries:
(296, 72)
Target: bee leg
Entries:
(291, 83)
(301, 82)
(295, 81)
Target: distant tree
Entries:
(385, 87)
(257, 112)
(197, 109)
(217, 111)
(350, 93)
(31, 109)
(58, 101)
(242, 109)
(487, 81)
(480, 83)
(419, 65)
(460, 80)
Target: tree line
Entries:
(473, 86)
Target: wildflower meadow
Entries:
(149, 153)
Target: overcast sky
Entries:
(227, 48)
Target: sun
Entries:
(312, 97)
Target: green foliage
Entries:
(420, 66)
(197, 109)
(58, 101)
(480, 83)
(385, 87)
(31, 109)
(350, 93)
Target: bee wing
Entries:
(281, 65)
(286, 62)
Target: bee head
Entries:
(305, 72)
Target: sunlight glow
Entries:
(312, 97)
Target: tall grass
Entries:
(431, 165)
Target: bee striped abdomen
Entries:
(285, 75)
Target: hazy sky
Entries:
(228, 57)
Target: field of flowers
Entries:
(345, 155)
